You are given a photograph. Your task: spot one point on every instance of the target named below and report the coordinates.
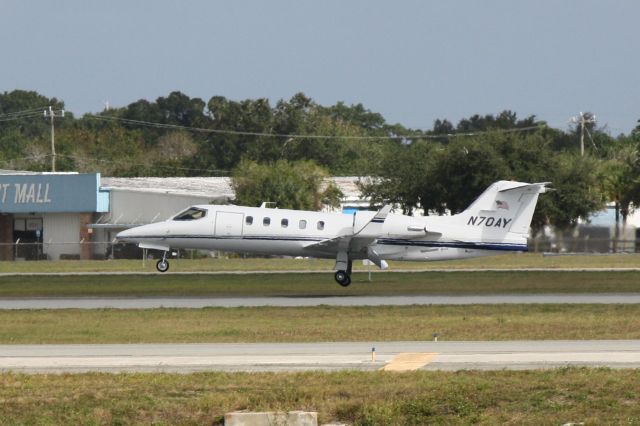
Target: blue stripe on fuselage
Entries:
(382, 241)
(454, 244)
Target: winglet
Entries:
(382, 214)
(374, 225)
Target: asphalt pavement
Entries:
(393, 356)
(301, 301)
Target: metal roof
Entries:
(204, 186)
(196, 186)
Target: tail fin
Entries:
(505, 206)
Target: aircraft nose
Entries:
(125, 235)
(140, 233)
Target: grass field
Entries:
(321, 284)
(592, 396)
(323, 323)
(517, 260)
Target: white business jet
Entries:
(497, 222)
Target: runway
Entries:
(302, 301)
(391, 356)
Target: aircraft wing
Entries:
(424, 232)
(331, 244)
(356, 241)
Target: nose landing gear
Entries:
(163, 264)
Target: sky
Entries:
(413, 61)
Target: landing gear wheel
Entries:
(343, 278)
(162, 265)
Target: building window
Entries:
(302, 224)
(284, 223)
(266, 221)
(320, 225)
(249, 220)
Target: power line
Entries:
(20, 117)
(24, 112)
(584, 119)
(52, 113)
(99, 160)
(306, 136)
(31, 113)
(43, 157)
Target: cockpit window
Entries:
(192, 213)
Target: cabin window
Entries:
(266, 221)
(249, 220)
(284, 223)
(302, 224)
(320, 225)
(192, 213)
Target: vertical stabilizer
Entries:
(504, 207)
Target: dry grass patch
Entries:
(593, 396)
(322, 324)
(321, 284)
(516, 260)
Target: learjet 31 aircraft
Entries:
(496, 222)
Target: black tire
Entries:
(343, 278)
(162, 265)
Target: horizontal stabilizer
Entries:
(540, 187)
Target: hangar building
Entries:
(77, 215)
(40, 207)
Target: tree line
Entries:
(300, 141)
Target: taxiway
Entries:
(305, 301)
(395, 356)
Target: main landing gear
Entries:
(343, 273)
(343, 278)
(163, 264)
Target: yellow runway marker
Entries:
(409, 361)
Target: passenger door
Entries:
(228, 224)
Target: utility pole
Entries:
(51, 113)
(582, 120)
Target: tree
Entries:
(293, 185)
(576, 193)
(357, 115)
(172, 154)
(410, 186)
(224, 150)
(23, 128)
(621, 182)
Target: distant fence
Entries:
(109, 250)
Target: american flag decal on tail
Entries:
(502, 204)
